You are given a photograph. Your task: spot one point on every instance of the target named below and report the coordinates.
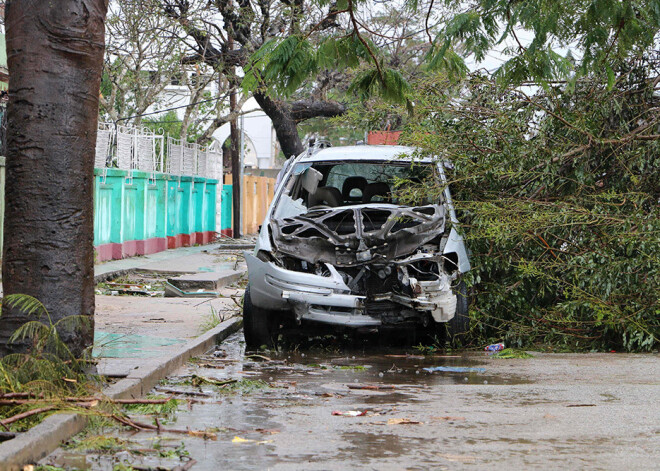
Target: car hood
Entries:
(356, 235)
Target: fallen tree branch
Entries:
(24, 415)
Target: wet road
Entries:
(552, 411)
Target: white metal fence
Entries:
(130, 148)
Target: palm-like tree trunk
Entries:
(55, 56)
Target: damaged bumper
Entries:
(328, 299)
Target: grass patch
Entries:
(211, 320)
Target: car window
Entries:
(347, 183)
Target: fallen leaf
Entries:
(245, 440)
(403, 422)
(203, 434)
(549, 416)
(448, 418)
(271, 431)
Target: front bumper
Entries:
(328, 299)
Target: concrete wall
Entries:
(142, 215)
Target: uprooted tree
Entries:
(55, 57)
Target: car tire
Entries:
(459, 325)
(259, 325)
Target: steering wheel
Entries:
(319, 206)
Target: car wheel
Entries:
(459, 325)
(259, 325)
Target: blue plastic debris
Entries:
(454, 369)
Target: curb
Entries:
(44, 438)
(109, 275)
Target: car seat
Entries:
(350, 184)
(376, 189)
(325, 195)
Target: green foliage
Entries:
(509, 353)
(284, 64)
(604, 32)
(167, 124)
(97, 443)
(165, 409)
(48, 371)
(244, 387)
(557, 192)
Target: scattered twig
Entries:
(261, 357)
(23, 415)
(186, 466)
(373, 387)
(4, 436)
(183, 393)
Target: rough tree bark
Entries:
(55, 57)
(285, 126)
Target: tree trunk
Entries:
(235, 166)
(285, 126)
(55, 57)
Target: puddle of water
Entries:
(304, 388)
(109, 345)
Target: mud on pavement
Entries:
(380, 409)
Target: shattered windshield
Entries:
(334, 184)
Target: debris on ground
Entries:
(373, 387)
(454, 369)
(495, 347)
(509, 353)
(350, 413)
(449, 418)
(238, 439)
(403, 422)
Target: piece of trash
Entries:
(403, 422)
(454, 369)
(238, 439)
(448, 418)
(496, 347)
(350, 413)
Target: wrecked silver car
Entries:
(337, 249)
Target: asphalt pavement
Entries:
(334, 407)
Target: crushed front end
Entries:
(360, 266)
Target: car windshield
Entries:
(334, 184)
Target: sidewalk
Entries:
(131, 330)
(142, 339)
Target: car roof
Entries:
(384, 153)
